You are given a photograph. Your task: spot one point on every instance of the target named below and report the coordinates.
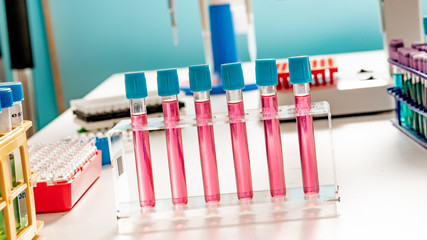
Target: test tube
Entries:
(233, 83)
(6, 100)
(136, 92)
(17, 116)
(300, 76)
(168, 89)
(200, 85)
(266, 79)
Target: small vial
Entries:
(6, 102)
(168, 89)
(233, 83)
(200, 85)
(136, 92)
(266, 79)
(17, 116)
(300, 76)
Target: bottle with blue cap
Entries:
(6, 101)
(266, 79)
(300, 76)
(200, 85)
(168, 89)
(233, 83)
(6, 105)
(136, 92)
(17, 116)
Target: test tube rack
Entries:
(8, 143)
(230, 210)
(404, 101)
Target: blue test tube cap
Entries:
(16, 87)
(167, 82)
(300, 70)
(232, 76)
(200, 78)
(266, 72)
(136, 85)
(6, 98)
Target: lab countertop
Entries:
(381, 176)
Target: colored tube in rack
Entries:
(200, 85)
(266, 79)
(136, 92)
(233, 83)
(6, 99)
(300, 76)
(17, 119)
(168, 88)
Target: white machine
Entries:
(364, 77)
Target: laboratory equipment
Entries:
(136, 92)
(17, 116)
(67, 169)
(300, 76)
(172, 9)
(230, 210)
(233, 83)
(410, 90)
(200, 85)
(219, 30)
(168, 89)
(5, 127)
(21, 55)
(266, 76)
(103, 113)
(401, 19)
(16, 139)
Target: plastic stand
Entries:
(17, 139)
(230, 210)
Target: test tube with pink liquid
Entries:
(233, 83)
(300, 76)
(168, 89)
(266, 79)
(136, 92)
(200, 85)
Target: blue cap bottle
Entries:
(167, 82)
(232, 76)
(6, 103)
(266, 72)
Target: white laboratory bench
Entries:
(382, 176)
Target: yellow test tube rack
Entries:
(17, 139)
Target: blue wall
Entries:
(97, 38)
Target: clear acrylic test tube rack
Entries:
(229, 211)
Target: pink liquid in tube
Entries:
(207, 151)
(144, 171)
(239, 140)
(175, 153)
(273, 144)
(307, 145)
